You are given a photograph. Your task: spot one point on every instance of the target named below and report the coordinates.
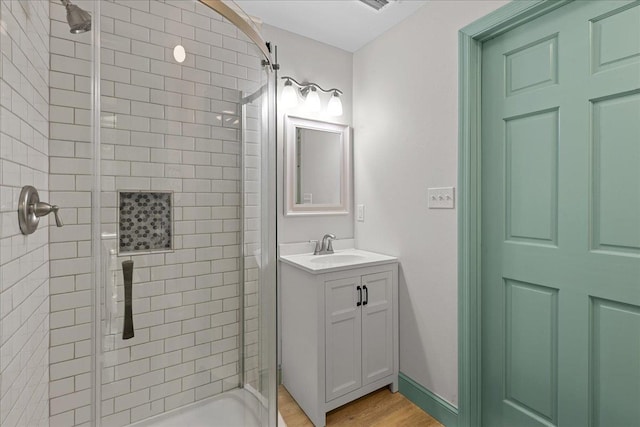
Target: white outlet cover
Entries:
(441, 198)
(360, 213)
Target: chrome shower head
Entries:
(79, 20)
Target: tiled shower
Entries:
(163, 163)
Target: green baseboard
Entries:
(435, 406)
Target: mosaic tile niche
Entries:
(145, 221)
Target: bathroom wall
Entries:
(70, 184)
(305, 60)
(308, 60)
(24, 260)
(406, 120)
(165, 127)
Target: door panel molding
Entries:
(614, 174)
(470, 40)
(612, 374)
(543, 53)
(531, 150)
(531, 351)
(343, 328)
(377, 320)
(621, 52)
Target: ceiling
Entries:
(347, 24)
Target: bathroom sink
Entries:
(340, 260)
(337, 259)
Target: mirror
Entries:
(318, 167)
(317, 173)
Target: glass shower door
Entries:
(259, 242)
(187, 168)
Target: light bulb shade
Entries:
(334, 108)
(312, 103)
(289, 96)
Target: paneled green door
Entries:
(561, 219)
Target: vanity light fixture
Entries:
(289, 96)
(334, 107)
(309, 92)
(312, 101)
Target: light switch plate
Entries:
(441, 198)
(360, 213)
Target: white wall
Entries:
(308, 60)
(24, 260)
(405, 122)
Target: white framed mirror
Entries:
(317, 175)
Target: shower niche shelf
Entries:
(145, 221)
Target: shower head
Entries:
(79, 20)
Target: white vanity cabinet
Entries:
(339, 333)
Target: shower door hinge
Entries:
(266, 63)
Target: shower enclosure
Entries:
(161, 152)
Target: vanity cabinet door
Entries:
(343, 328)
(377, 326)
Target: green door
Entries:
(561, 219)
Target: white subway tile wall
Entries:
(70, 184)
(24, 260)
(164, 127)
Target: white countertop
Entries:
(340, 260)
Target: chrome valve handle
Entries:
(43, 209)
(317, 249)
(30, 209)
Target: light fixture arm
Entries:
(309, 91)
(306, 87)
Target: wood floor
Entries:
(380, 408)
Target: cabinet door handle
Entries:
(359, 296)
(366, 295)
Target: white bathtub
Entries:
(235, 408)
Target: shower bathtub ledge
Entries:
(234, 408)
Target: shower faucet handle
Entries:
(42, 209)
(31, 209)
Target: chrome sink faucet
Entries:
(326, 247)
